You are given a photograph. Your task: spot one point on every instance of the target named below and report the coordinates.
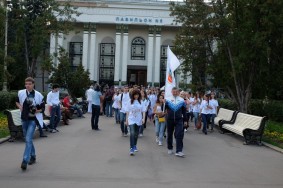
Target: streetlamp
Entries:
(8, 7)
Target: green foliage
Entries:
(75, 81)
(30, 24)
(8, 100)
(271, 108)
(238, 43)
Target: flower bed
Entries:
(4, 130)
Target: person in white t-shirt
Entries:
(205, 111)
(124, 99)
(116, 106)
(135, 118)
(214, 104)
(196, 105)
(89, 93)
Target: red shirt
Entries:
(66, 102)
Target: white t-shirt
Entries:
(192, 99)
(146, 103)
(203, 107)
(116, 103)
(214, 104)
(89, 93)
(135, 111)
(196, 107)
(125, 100)
(153, 99)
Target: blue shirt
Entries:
(96, 97)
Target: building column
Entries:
(93, 66)
(150, 56)
(53, 48)
(157, 57)
(118, 64)
(85, 46)
(125, 54)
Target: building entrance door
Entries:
(137, 75)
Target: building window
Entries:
(138, 49)
(107, 63)
(76, 54)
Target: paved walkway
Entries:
(81, 158)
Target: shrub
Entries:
(270, 108)
(7, 100)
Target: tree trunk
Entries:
(27, 55)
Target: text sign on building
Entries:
(139, 20)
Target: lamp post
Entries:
(8, 7)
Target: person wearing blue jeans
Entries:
(117, 115)
(55, 118)
(159, 131)
(30, 102)
(135, 118)
(53, 101)
(205, 111)
(28, 131)
(108, 109)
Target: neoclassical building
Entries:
(120, 42)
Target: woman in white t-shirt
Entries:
(159, 119)
(214, 104)
(205, 111)
(116, 106)
(195, 108)
(135, 118)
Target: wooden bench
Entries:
(225, 115)
(15, 124)
(249, 126)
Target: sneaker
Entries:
(186, 130)
(135, 149)
(32, 160)
(56, 130)
(132, 152)
(156, 139)
(52, 131)
(140, 135)
(180, 154)
(160, 143)
(125, 135)
(24, 165)
(170, 152)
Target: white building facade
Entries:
(120, 42)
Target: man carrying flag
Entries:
(175, 107)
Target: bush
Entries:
(270, 108)
(8, 100)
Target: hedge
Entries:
(8, 100)
(271, 108)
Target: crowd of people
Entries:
(130, 107)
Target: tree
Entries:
(75, 81)
(34, 21)
(230, 40)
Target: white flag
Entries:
(172, 64)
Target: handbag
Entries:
(199, 123)
(161, 119)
